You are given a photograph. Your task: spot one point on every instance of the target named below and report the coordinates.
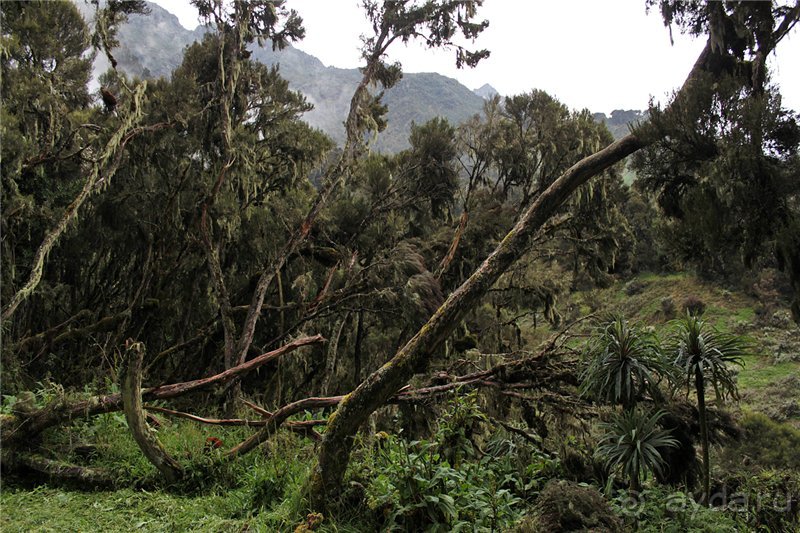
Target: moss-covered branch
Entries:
(145, 438)
(100, 175)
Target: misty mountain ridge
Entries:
(152, 46)
(486, 91)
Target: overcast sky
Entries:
(602, 55)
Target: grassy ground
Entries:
(56, 510)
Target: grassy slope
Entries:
(769, 381)
(48, 509)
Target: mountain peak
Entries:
(486, 91)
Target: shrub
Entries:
(446, 483)
(694, 306)
(567, 506)
(764, 444)
(658, 510)
(668, 307)
(769, 500)
(634, 443)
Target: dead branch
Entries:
(34, 341)
(258, 409)
(277, 418)
(170, 391)
(229, 421)
(61, 470)
(18, 430)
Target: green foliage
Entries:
(431, 164)
(769, 500)
(729, 143)
(657, 510)
(765, 444)
(448, 483)
(46, 66)
(697, 347)
(634, 442)
(625, 362)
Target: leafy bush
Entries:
(769, 500)
(764, 444)
(447, 483)
(624, 363)
(634, 442)
(658, 510)
(694, 306)
(567, 506)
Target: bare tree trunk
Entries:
(332, 357)
(700, 388)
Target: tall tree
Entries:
(44, 118)
(704, 356)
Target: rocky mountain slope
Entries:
(152, 46)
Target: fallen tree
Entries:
(718, 58)
(545, 371)
(20, 429)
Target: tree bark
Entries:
(700, 388)
(147, 441)
(415, 356)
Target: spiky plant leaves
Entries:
(696, 345)
(633, 441)
(703, 354)
(625, 362)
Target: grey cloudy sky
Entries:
(602, 55)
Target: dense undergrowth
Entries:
(465, 472)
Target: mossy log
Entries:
(131, 387)
(65, 471)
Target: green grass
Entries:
(759, 374)
(263, 491)
(52, 509)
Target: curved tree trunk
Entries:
(131, 388)
(415, 356)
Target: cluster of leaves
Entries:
(448, 483)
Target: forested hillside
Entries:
(219, 317)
